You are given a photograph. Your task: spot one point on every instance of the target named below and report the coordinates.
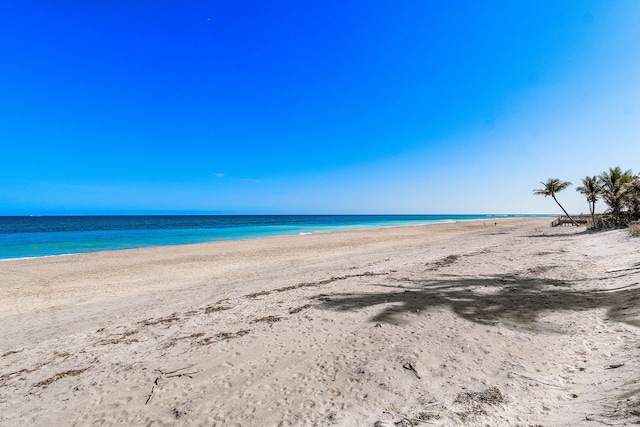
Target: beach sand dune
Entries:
(470, 324)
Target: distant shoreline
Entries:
(27, 237)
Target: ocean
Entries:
(26, 237)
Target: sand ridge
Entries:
(517, 324)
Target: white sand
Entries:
(515, 325)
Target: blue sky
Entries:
(313, 107)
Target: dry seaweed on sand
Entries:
(311, 284)
(230, 335)
(223, 336)
(443, 262)
(268, 319)
(299, 309)
(122, 338)
(420, 418)
(541, 269)
(169, 319)
(10, 352)
(214, 308)
(475, 402)
(175, 340)
(490, 396)
(56, 377)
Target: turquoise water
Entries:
(25, 237)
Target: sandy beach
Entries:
(461, 324)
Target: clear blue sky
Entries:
(313, 106)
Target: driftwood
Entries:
(169, 374)
(613, 270)
(409, 367)
(614, 366)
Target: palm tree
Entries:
(632, 197)
(615, 184)
(551, 187)
(591, 190)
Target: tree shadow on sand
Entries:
(510, 299)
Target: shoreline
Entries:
(454, 324)
(337, 229)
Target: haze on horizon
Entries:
(313, 107)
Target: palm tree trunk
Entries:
(593, 214)
(565, 212)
